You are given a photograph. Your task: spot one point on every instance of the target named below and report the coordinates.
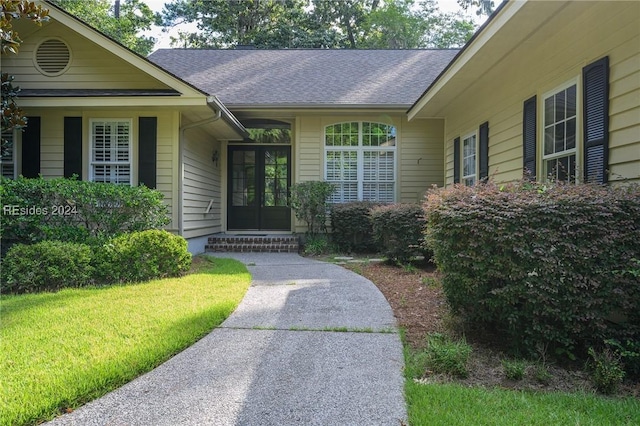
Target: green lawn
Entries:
(452, 404)
(431, 404)
(60, 350)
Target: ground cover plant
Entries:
(60, 350)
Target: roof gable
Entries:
(299, 77)
(97, 61)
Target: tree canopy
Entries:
(353, 24)
(123, 20)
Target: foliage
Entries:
(514, 369)
(629, 352)
(607, 371)
(133, 17)
(390, 24)
(46, 266)
(12, 115)
(485, 7)
(399, 230)
(446, 356)
(403, 24)
(78, 211)
(317, 244)
(539, 262)
(148, 255)
(309, 203)
(351, 226)
(62, 350)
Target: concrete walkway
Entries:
(282, 358)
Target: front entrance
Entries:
(259, 178)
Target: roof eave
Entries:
(497, 20)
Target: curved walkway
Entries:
(311, 343)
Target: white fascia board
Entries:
(115, 101)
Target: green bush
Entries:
(46, 266)
(76, 211)
(315, 245)
(309, 202)
(399, 230)
(546, 264)
(351, 227)
(142, 256)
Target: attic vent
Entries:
(53, 57)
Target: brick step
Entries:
(252, 243)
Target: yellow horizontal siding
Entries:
(202, 184)
(545, 61)
(92, 66)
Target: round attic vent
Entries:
(53, 57)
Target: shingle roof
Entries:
(307, 77)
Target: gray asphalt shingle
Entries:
(307, 77)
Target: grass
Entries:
(453, 404)
(60, 350)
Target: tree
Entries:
(374, 24)
(260, 23)
(485, 7)
(122, 21)
(12, 115)
(403, 24)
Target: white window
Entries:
(559, 152)
(469, 159)
(360, 160)
(111, 151)
(8, 158)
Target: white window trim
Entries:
(577, 150)
(360, 150)
(464, 177)
(92, 162)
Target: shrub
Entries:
(317, 244)
(540, 262)
(309, 203)
(70, 210)
(399, 230)
(446, 356)
(607, 372)
(46, 266)
(142, 256)
(514, 369)
(351, 227)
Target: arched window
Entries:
(360, 160)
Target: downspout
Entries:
(181, 142)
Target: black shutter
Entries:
(147, 150)
(529, 138)
(595, 79)
(484, 150)
(73, 146)
(456, 160)
(31, 148)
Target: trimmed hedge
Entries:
(142, 256)
(352, 230)
(550, 265)
(46, 266)
(70, 210)
(399, 230)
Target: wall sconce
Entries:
(214, 157)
